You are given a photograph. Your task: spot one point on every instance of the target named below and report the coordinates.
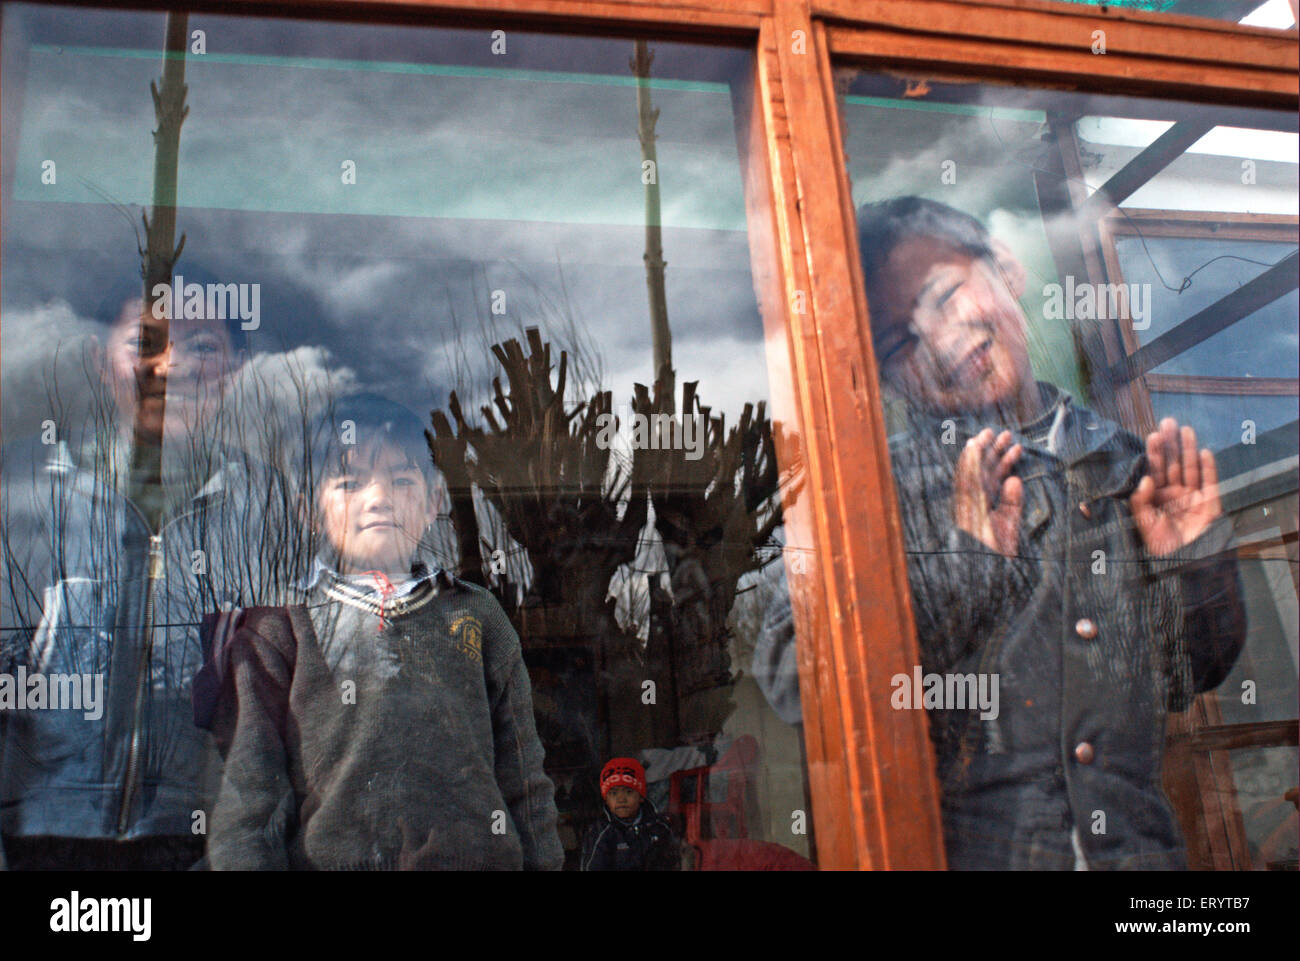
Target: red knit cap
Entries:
(622, 772)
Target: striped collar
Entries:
(376, 594)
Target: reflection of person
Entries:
(167, 376)
(1045, 552)
(632, 835)
(111, 560)
(387, 722)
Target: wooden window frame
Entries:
(871, 769)
(1040, 44)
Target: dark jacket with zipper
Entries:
(92, 590)
(1093, 642)
(644, 843)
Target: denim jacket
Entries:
(90, 590)
(1092, 642)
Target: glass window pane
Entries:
(1276, 14)
(1224, 417)
(1268, 666)
(1261, 778)
(1047, 285)
(379, 232)
(1263, 344)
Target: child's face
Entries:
(375, 511)
(166, 377)
(948, 329)
(623, 802)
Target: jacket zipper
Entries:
(142, 674)
(155, 574)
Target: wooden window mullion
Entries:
(871, 768)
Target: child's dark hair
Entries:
(884, 225)
(364, 422)
(124, 288)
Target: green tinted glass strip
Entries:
(964, 109)
(421, 69)
(1154, 6)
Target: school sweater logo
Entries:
(467, 631)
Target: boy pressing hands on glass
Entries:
(1082, 574)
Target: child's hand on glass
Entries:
(987, 497)
(1178, 498)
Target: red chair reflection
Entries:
(719, 830)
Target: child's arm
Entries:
(1200, 587)
(256, 803)
(666, 853)
(595, 854)
(1214, 615)
(527, 790)
(1178, 515)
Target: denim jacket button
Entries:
(1085, 510)
(1083, 752)
(1085, 628)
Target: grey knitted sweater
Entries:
(364, 731)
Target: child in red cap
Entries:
(632, 836)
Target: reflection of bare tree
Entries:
(579, 511)
(557, 491)
(170, 112)
(158, 256)
(660, 331)
(713, 514)
(146, 457)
